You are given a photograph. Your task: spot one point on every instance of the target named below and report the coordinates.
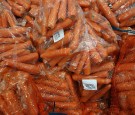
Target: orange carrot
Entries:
(72, 87)
(72, 9)
(5, 4)
(51, 90)
(54, 98)
(74, 62)
(62, 11)
(101, 93)
(5, 47)
(82, 62)
(56, 53)
(127, 15)
(11, 53)
(58, 85)
(94, 25)
(94, 55)
(53, 14)
(24, 3)
(126, 67)
(102, 51)
(77, 29)
(12, 31)
(28, 58)
(53, 62)
(125, 86)
(84, 3)
(12, 40)
(118, 4)
(4, 20)
(65, 105)
(33, 69)
(10, 18)
(103, 67)
(127, 23)
(29, 97)
(87, 66)
(111, 49)
(101, 74)
(3, 107)
(13, 103)
(107, 12)
(61, 25)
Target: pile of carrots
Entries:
(42, 75)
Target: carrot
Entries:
(101, 92)
(12, 31)
(62, 10)
(127, 15)
(67, 38)
(84, 3)
(51, 90)
(118, 4)
(56, 53)
(102, 51)
(5, 4)
(65, 105)
(87, 66)
(4, 20)
(77, 29)
(94, 6)
(125, 86)
(101, 74)
(82, 62)
(95, 26)
(125, 67)
(122, 77)
(72, 11)
(28, 58)
(12, 40)
(53, 62)
(58, 85)
(103, 67)
(54, 98)
(112, 1)
(36, 2)
(127, 23)
(29, 98)
(129, 58)
(73, 112)
(10, 18)
(72, 87)
(106, 37)
(17, 12)
(14, 105)
(74, 62)
(53, 15)
(56, 77)
(12, 53)
(61, 25)
(4, 48)
(111, 49)
(33, 69)
(94, 55)
(107, 12)
(3, 107)
(24, 3)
